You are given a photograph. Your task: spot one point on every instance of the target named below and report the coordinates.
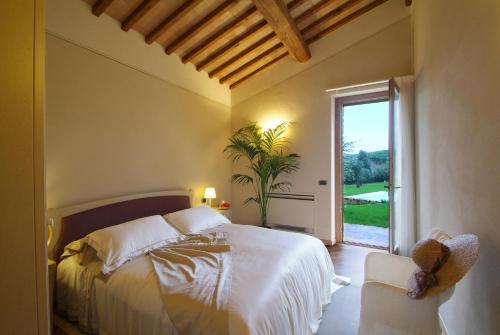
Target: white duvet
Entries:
(280, 283)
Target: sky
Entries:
(367, 125)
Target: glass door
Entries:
(394, 186)
(362, 169)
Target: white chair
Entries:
(385, 307)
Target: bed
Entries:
(280, 284)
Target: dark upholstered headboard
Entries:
(79, 224)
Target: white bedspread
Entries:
(280, 284)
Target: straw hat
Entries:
(443, 261)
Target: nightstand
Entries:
(227, 212)
(52, 277)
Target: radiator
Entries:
(292, 210)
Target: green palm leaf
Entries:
(242, 179)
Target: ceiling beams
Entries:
(198, 27)
(323, 32)
(345, 20)
(138, 13)
(220, 34)
(234, 40)
(227, 48)
(172, 19)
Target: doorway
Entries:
(362, 169)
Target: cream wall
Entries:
(457, 68)
(113, 130)
(302, 98)
(73, 21)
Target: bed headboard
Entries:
(75, 222)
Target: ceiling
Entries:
(234, 40)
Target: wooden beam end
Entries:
(149, 39)
(303, 56)
(100, 7)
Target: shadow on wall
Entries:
(484, 275)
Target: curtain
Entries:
(405, 161)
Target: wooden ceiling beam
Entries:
(278, 17)
(269, 37)
(221, 33)
(345, 20)
(203, 23)
(242, 68)
(311, 11)
(228, 47)
(138, 14)
(260, 69)
(100, 7)
(331, 14)
(173, 18)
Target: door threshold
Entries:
(371, 246)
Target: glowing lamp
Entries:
(209, 195)
(271, 123)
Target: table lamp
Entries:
(209, 195)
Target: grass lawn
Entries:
(366, 188)
(367, 214)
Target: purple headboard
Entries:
(78, 225)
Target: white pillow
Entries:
(195, 219)
(116, 245)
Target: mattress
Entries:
(280, 283)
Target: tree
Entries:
(363, 159)
(347, 146)
(265, 153)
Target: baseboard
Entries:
(327, 242)
(444, 329)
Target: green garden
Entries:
(365, 188)
(366, 172)
(369, 214)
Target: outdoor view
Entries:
(366, 173)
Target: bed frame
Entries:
(75, 222)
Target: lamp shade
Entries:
(210, 193)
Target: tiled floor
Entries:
(359, 233)
(341, 316)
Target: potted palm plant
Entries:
(265, 153)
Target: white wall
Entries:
(457, 68)
(302, 99)
(113, 130)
